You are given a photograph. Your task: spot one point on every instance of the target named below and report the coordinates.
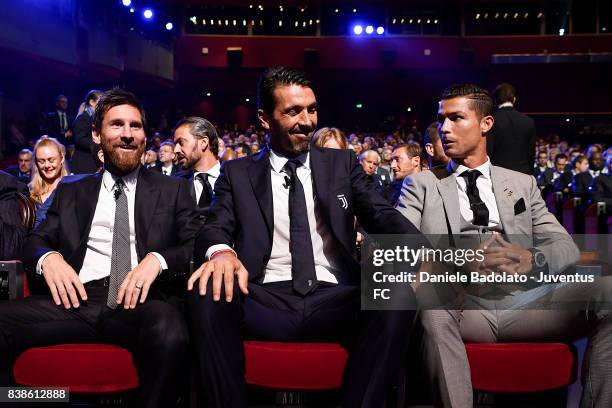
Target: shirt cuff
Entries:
(162, 262)
(41, 260)
(218, 247)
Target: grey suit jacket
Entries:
(430, 200)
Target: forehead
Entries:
(25, 155)
(457, 104)
(166, 147)
(291, 95)
(123, 112)
(183, 131)
(47, 151)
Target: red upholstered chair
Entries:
(519, 368)
(294, 366)
(83, 368)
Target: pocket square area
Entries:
(519, 206)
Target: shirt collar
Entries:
(214, 171)
(278, 161)
(484, 168)
(108, 180)
(505, 105)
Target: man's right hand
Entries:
(63, 281)
(223, 268)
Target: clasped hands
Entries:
(66, 287)
(501, 256)
(224, 268)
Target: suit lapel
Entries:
(261, 182)
(147, 197)
(450, 198)
(320, 167)
(503, 191)
(87, 199)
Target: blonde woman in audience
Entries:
(49, 167)
(330, 137)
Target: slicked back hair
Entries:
(275, 77)
(479, 98)
(201, 128)
(112, 98)
(504, 93)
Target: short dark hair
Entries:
(560, 156)
(578, 159)
(479, 98)
(431, 134)
(274, 77)
(504, 93)
(93, 95)
(167, 143)
(201, 128)
(245, 148)
(112, 98)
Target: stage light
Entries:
(247, 100)
(604, 29)
(540, 14)
(194, 20)
(409, 109)
(336, 11)
(148, 14)
(435, 21)
(369, 29)
(359, 105)
(477, 16)
(280, 23)
(358, 29)
(132, 9)
(169, 26)
(567, 120)
(208, 94)
(562, 31)
(380, 30)
(126, 3)
(394, 20)
(354, 10)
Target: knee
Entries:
(205, 312)
(169, 330)
(435, 322)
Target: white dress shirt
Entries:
(278, 267)
(167, 170)
(213, 175)
(97, 261)
(485, 191)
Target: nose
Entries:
(177, 148)
(305, 119)
(444, 126)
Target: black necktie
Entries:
(207, 191)
(120, 257)
(479, 208)
(300, 245)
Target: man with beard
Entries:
(110, 244)
(196, 148)
(405, 161)
(279, 243)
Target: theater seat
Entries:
(84, 368)
(521, 367)
(294, 366)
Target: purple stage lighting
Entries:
(126, 3)
(358, 29)
(148, 14)
(369, 29)
(380, 30)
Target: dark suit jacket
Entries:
(82, 160)
(176, 169)
(14, 171)
(545, 177)
(163, 215)
(52, 126)
(563, 182)
(12, 232)
(384, 176)
(581, 183)
(242, 214)
(602, 190)
(511, 141)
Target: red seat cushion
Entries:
(521, 367)
(294, 366)
(84, 368)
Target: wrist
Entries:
(222, 252)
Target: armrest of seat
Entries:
(12, 280)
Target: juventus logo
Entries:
(343, 201)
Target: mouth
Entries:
(126, 147)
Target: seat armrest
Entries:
(12, 280)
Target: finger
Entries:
(217, 281)
(129, 292)
(502, 241)
(144, 292)
(122, 289)
(194, 276)
(76, 282)
(489, 241)
(228, 282)
(243, 280)
(54, 293)
(203, 284)
(61, 290)
(72, 293)
(135, 294)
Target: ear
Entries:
(263, 119)
(486, 124)
(429, 149)
(95, 136)
(204, 143)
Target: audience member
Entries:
(582, 177)
(227, 155)
(166, 159)
(242, 150)
(405, 160)
(23, 169)
(602, 187)
(369, 162)
(82, 162)
(12, 231)
(511, 141)
(542, 172)
(150, 159)
(49, 167)
(57, 123)
(330, 137)
(433, 147)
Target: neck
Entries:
(206, 162)
(471, 162)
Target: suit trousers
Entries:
(569, 313)
(375, 340)
(154, 332)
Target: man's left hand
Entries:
(138, 282)
(509, 258)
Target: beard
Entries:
(122, 161)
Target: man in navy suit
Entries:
(57, 123)
(279, 245)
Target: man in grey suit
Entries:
(503, 211)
